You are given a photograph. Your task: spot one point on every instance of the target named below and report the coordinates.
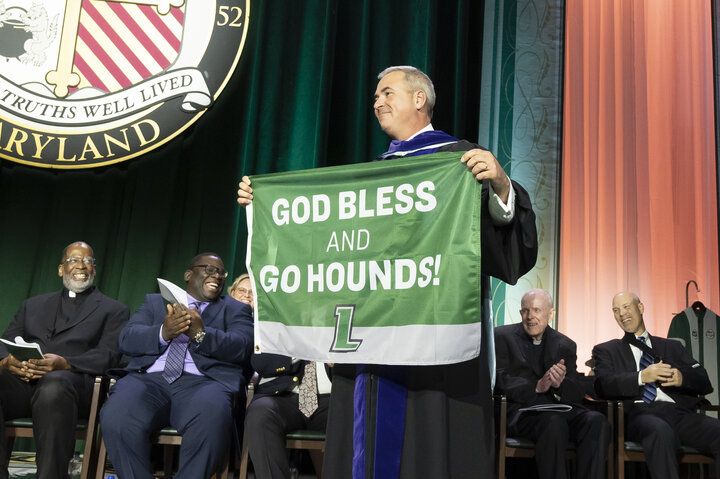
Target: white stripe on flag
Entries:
(421, 343)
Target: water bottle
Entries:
(75, 466)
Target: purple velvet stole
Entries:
(386, 396)
(391, 400)
(423, 144)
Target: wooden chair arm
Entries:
(706, 406)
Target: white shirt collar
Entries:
(429, 127)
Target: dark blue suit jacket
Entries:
(617, 375)
(224, 354)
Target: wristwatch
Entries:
(199, 336)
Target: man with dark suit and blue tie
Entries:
(659, 384)
(186, 365)
(77, 329)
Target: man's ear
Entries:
(186, 277)
(420, 99)
(60, 270)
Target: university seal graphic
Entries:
(86, 83)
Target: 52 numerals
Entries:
(229, 16)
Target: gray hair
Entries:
(416, 81)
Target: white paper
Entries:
(548, 407)
(172, 293)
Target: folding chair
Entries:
(85, 430)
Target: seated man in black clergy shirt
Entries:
(659, 383)
(286, 399)
(452, 404)
(77, 329)
(186, 365)
(537, 365)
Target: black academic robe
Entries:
(448, 431)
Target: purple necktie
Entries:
(175, 360)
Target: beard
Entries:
(77, 286)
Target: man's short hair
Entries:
(197, 257)
(416, 80)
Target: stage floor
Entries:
(22, 466)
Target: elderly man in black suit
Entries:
(660, 384)
(77, 329)
(187, 363)
(536, 365)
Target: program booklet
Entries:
(23, 350)
(171, 292)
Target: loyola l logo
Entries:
(343, 342)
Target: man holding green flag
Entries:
(408, 420)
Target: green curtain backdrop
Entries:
(300, 98)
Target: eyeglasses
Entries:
(242, 292)
(87, 261)
(212, 270)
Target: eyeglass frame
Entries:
(243, 292)
(87, 261)
(217, 271)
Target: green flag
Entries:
(374, 263)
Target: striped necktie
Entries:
(175, 360)
(649, 389)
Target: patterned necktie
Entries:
(649, 389)
(175, 360)
(307, 391)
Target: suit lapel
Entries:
(213, 311)
(552, 355)
(91, 303)
(627, 357)
(658, 347)
(52, 307)
(522, 342)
